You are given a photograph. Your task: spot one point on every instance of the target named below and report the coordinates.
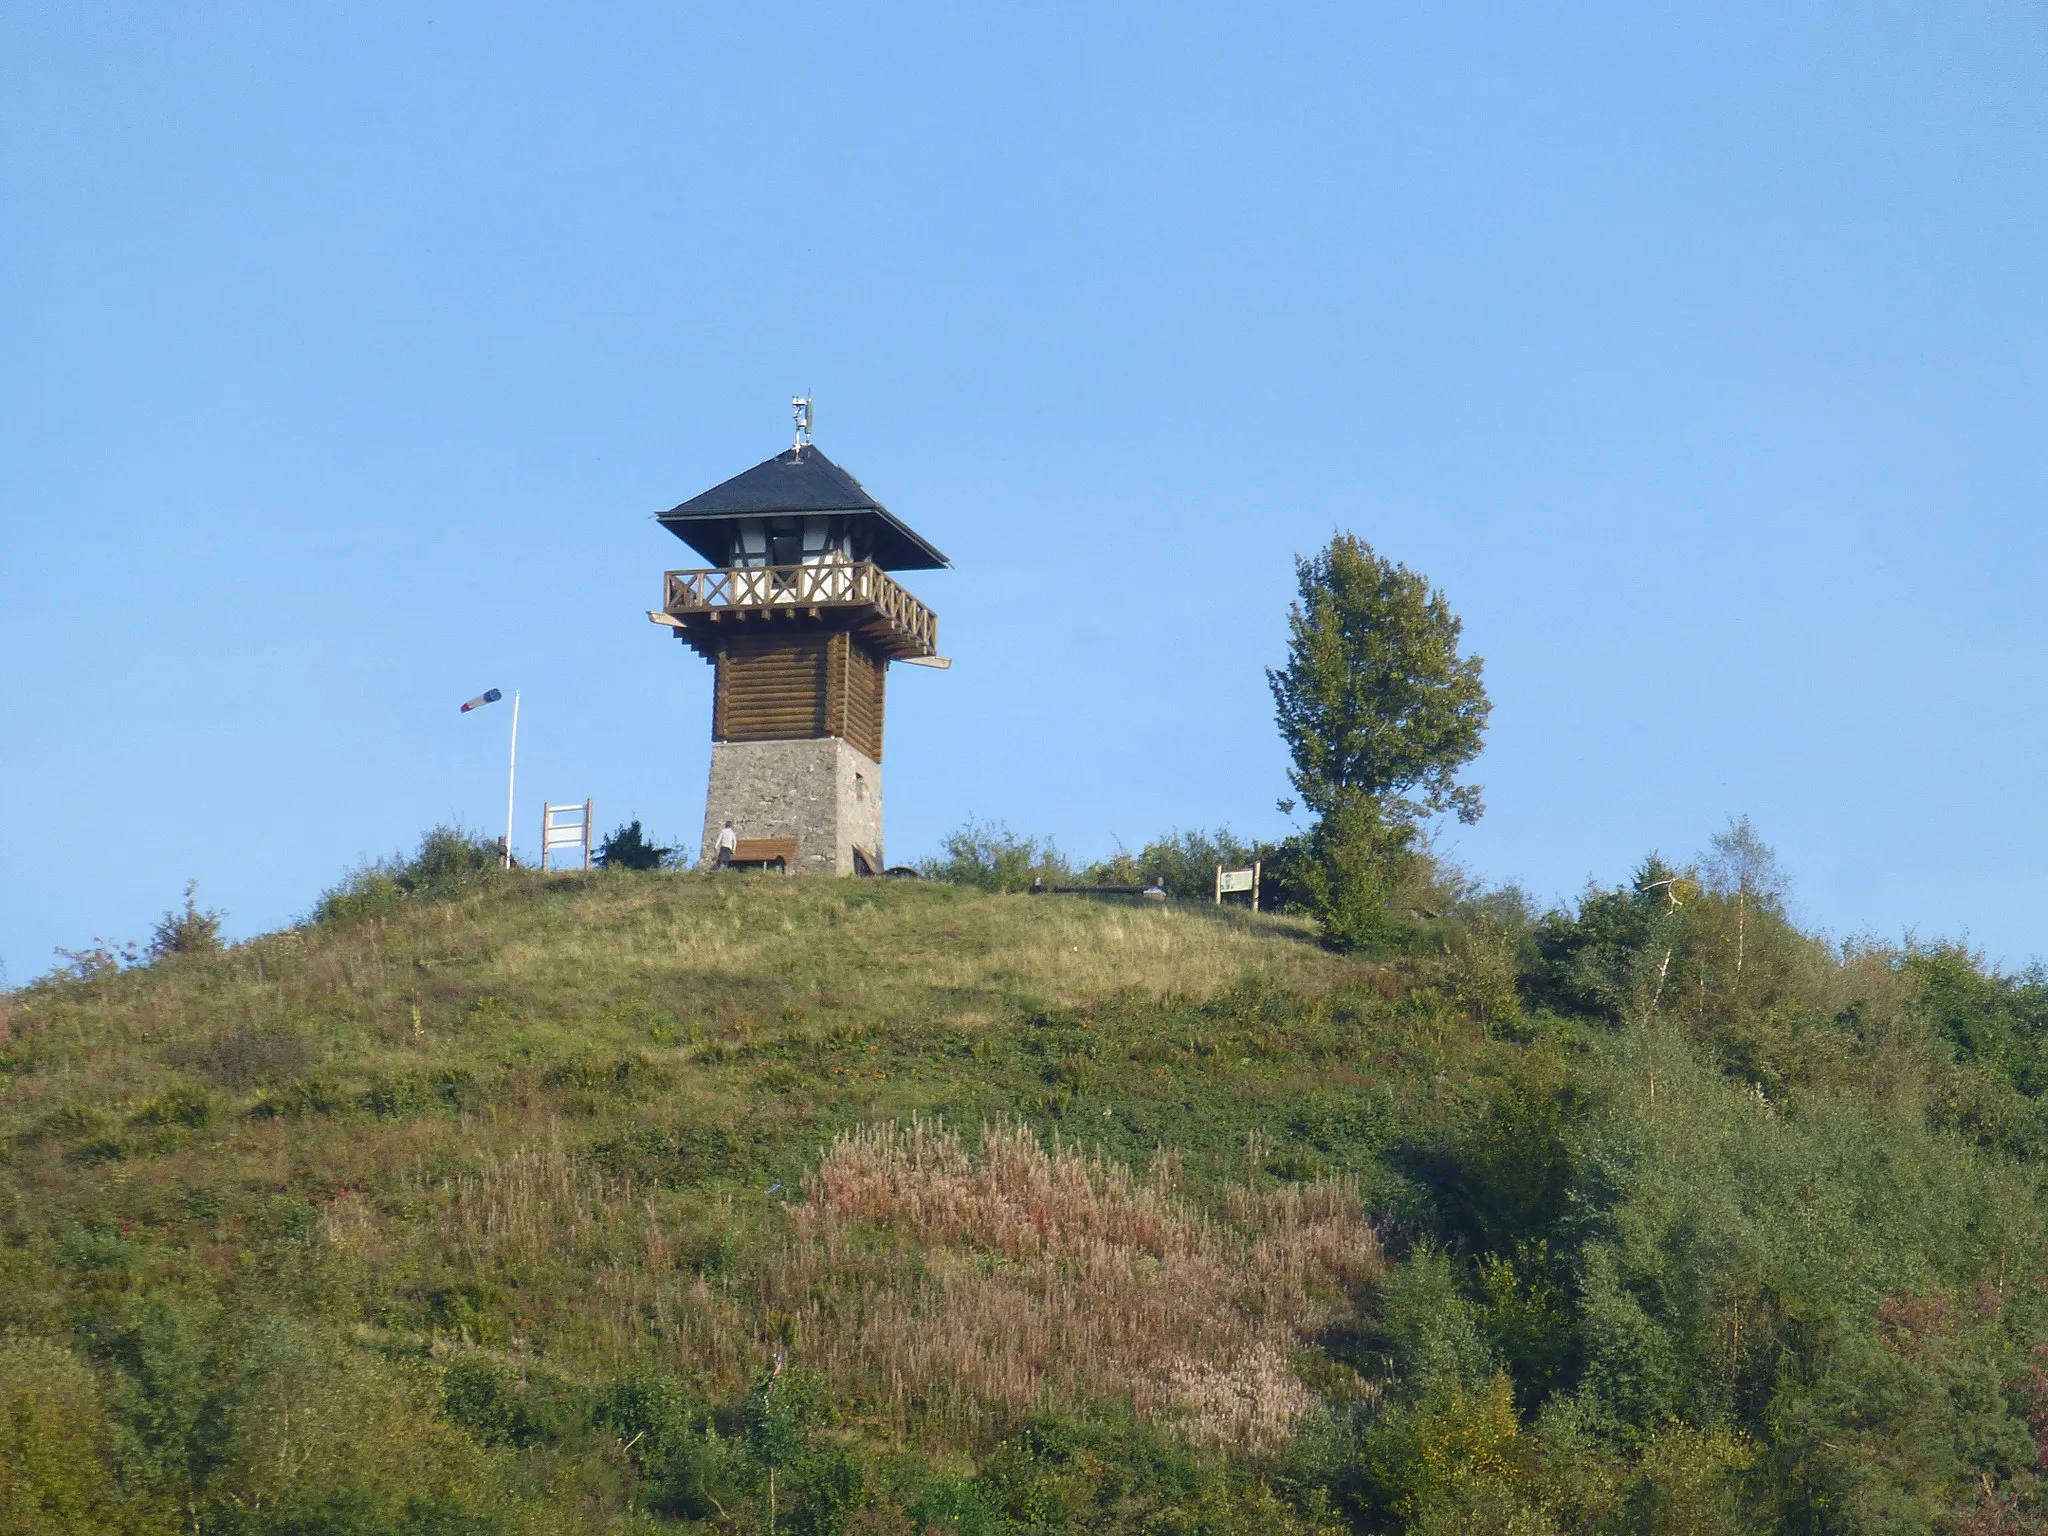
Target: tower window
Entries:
(750, 543)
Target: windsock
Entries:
(489, 696)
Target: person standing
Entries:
(728, 841)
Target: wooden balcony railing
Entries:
(911, 629)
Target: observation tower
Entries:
(800, 615)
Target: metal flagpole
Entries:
(491, 696)
(511, 778)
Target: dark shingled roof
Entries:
(795, 482)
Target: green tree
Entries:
(1375, 699)
(1379, 713)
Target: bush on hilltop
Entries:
(188, 931)
(990, 857)
(450, 861)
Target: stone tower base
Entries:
(824, 793)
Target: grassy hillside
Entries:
(668, 1201)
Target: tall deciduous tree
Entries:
(1375, 701)
(1379, 712)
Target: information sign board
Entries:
(1238, 882)
(565, 826)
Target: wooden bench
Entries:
(765, 853)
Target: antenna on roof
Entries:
(800, 406)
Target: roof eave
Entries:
(925, 557)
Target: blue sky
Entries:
(1697, 352)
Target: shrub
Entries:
(190, 1107)
(954, 1506)
(1183, 864)
(488, 1399)
(449, 862)
(1455, 1448)
(694, 1474)
(56, 1448)
(1283, 879)
(1359, 858)
(627, 847)
(1600, 962)
(990, 857)
(186, 932)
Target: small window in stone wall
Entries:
(860, 787)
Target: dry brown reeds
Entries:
(964, 1291)
(536, 1204)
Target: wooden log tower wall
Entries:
(783, 687)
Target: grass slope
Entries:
(671, 1200)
